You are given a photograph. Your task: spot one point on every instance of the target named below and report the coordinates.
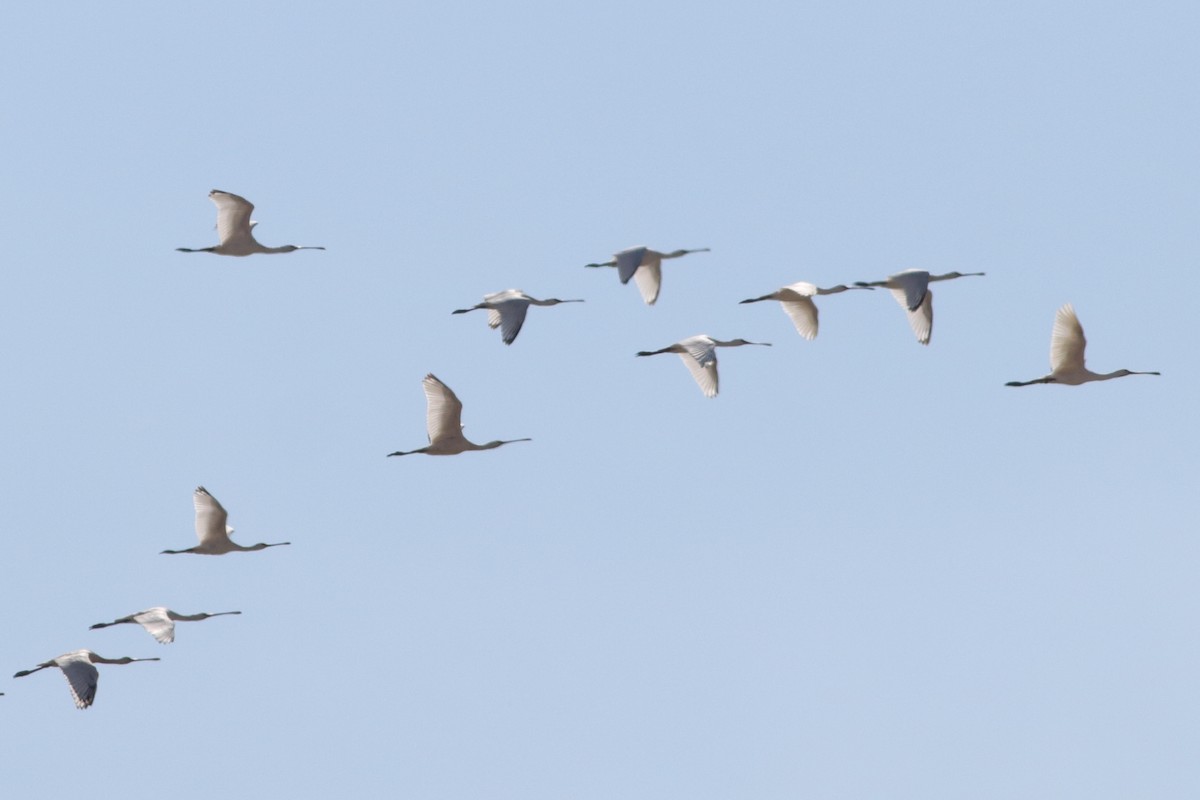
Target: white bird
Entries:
(82, 676)
(699, 354)
(645, 267)
(796, 299)
(212, 529)
(159, 621)
(911, 290)
(443, 423)
(1066, 355)
(506, 310)
(234, 229)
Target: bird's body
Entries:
(699, 354)
(212, 530)
(1067, 346)
(911, 290)
(443, 423)
(234, 229)
(645, 267)
(159, 621)
(506, 310)
(82, 676)
(797, 302)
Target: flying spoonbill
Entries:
(911, 290)
(212, 530)
(796, 299)
(443, 423)
(1066, 355)
(159, 622)
(234, 229)
(506, 310)
(82, 676)
(699, 354)
(645, 267)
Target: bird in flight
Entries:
(912, 292)
(796, 299)
(645, 267)
(506, 310)
(159, 622)
(1066, 355)
(443, 423)
(234, 229)
(82, 676)
(212, 529)
(699, 354)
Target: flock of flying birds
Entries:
(506, 311)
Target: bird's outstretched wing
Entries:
(512, 317)
(798, 305)
(921, 318)
(628, 261)
(82, 676)
(157, 624)
(1067, 342)
(649, 281)
(233, 218)
(443, 410)
(210, 518)
(913, 285)
(701, 361)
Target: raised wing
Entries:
(82, 677)
(1066, 342)
(157, 624)
(649, 280)
(443, 410)
(210, 518)
(233, 217)
(628, 261)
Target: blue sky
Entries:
(867, 569)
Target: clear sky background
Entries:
(867, 569)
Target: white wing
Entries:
(210, 518)
(920, 318)
(803, 312)
(233, 217)
(910, 289)
(157, 623)
(1067, 342)
(701, 361)
(443, 411)
(628, 261)
(82, 677)
(649, 280)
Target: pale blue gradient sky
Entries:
(866, 570)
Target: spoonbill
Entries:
(911, 290)
(443, 423)
(159, 622)
(699, 354)
(645, 267)
(212, 530)
(796, 299)
(82, 676)
(1066, 355)
(506, 310)
(234, 228)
